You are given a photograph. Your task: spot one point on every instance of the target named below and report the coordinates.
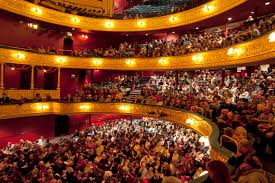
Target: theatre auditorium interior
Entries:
(137, 91)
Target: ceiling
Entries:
(239, 13)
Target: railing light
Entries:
(19, 55)
(271, 37)
(173, 18)
(42, 107)
(85, 107)
(109, 24)
(75, 20)
(197, 58)
(190, 121)
(36, 10)
(97, 62)
(141, 23)
(208, 8)
(60, 60)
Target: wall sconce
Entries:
(42, 107)
(19, 55)
(190, 121)
(109, 24)
(234, 51)
(208, 8)
(12, 68)
(60, 60)
(197, 58)
(173, 18)
(75, 20)
(130, 62)
(84, 36)
(85, 107)
(271, 37)
(141, 23)
(97, 62)
(36, 10)
(33, 26)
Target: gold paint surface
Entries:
(251, 52)
(156, 23)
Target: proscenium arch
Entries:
(213, 8)
(193, 121)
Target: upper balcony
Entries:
(259, 50)
(200, 13)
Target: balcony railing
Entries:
(197, 123)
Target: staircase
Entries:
(132, 95)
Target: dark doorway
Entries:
(61, 125)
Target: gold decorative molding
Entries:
(257, 50)
(197, 14)
(30, 94)
(199, 124)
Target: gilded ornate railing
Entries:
(30, 94)
(198, 123)
(257, 50)
(200, 13)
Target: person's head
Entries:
(171, 179)
(266, 110)
(218, 171)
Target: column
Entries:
(2, 77)
(32, 78)
(58, 82)
(58, 78)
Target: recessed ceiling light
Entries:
(197, 28)
(267, 3)
(252, 12)
(173, 32)
(229, 19)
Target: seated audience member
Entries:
(38, 98)
(217, 172)
(5, 99)
(105, 154)
(251, 171)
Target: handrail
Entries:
(201, 124)
(259, 50)
(231, 139)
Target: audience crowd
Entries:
(118, 151)
(242, 106)
(187, 44)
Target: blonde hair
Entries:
(171, 179)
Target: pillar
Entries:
(32, 78)
(2, 77)
(58, 82)
(58, 78)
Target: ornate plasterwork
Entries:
(201, 125)
(249, 52)
(197, 14)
